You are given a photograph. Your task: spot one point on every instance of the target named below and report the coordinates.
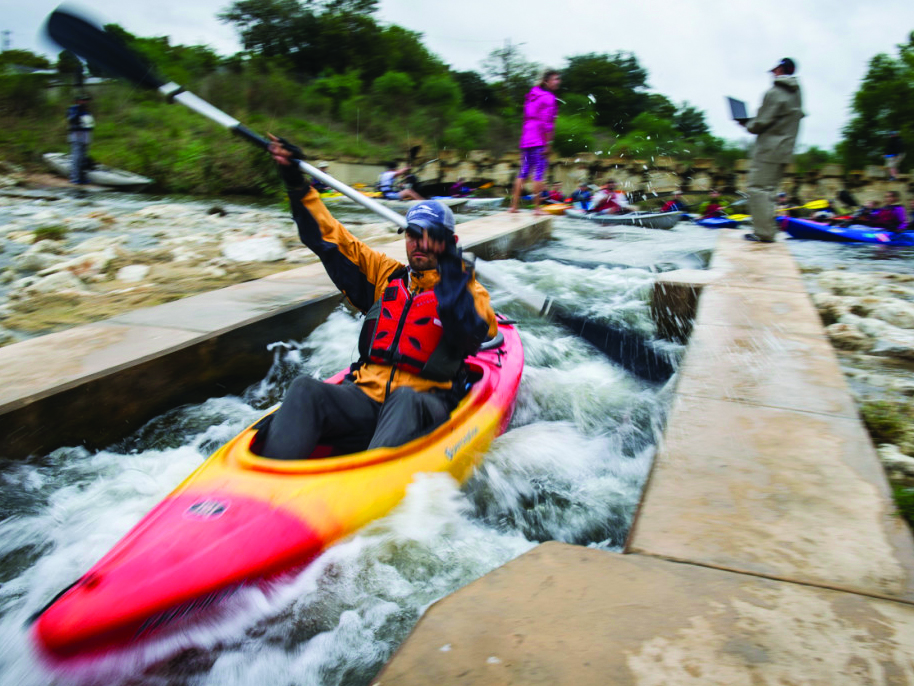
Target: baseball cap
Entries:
(429, 215)
(787, 64)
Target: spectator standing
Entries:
(80, 124)
(776, 126)
(540, 110)
(894, 154)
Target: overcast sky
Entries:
(694, 50)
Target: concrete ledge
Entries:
(765, 467)
(562, 614)
(93, 384)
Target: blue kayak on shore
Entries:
(855, 233)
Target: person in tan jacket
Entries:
(422, 319)
(776, 126)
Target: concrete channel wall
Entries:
(766, 550)
(93, 384)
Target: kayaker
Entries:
(713, 208)
(610, 199)
(776, 124)
(892, 216)
(676, 204)
(540, 110)
(387, 184)
(317, 185)
(422, 320)
(80, 124)
(582, 196)
(556, 195)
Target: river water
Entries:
(571, 467)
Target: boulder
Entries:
(57, 282)
(133, 273)
(900, 467)
(254, 249)
(848, 337)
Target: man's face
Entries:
(419, 252)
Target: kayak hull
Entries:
(717, 223)
(99, 174)
(646, 220)
(241, 519)
(856, 233)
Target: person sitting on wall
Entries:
(676, 204)
(387, 184)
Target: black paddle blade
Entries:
(99, 48)
(624, 347)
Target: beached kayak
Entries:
(856, 233)
(99, 174)
(241, 519)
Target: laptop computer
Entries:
(738, 109)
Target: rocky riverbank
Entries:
(68, 258)
(869, 318)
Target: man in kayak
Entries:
(676, 204)
(713, 208)
(776, 124)
(387, 184)
(582, 196)
(892, 216)
(422, 320)
(610, 200)
(80, 124)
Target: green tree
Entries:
(615, 82)
(393, 91)
(511, 75)
(23, 58)
(691, 121)
(573, 133)
(467, 131)
(70, 66)
(475, 91)
(883, 103)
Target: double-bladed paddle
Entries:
(110, 54)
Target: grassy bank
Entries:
(182, 151)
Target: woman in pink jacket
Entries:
(540, 111)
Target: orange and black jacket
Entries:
(362, 274)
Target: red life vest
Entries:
(404, 330)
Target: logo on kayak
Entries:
(206, 509)
(470, 435)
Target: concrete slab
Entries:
(765, 367)
(774, 492)
(581, 616)
(759, 308)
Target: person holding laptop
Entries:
(776, 126)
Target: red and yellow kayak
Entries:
(241, 519)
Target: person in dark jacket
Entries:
(80, 124)
(776, 126)
(891, 216)
(408, 377)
